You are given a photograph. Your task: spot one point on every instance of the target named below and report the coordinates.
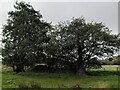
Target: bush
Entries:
(105, 62)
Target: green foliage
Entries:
(79, 44)
(24, 36)
(115, 61)
(75, 45)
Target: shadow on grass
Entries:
(58, 75)
(103, 73)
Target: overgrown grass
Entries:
(99, 79)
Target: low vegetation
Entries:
(106, 77)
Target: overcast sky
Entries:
(106, 12)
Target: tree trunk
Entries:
(81, 72)
(14, 68)
(18, 69)
(80, 69)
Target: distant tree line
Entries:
(74, 45)
(115, 60)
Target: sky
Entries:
(104, 11)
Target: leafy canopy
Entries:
(25, 36)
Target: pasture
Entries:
(105, 77)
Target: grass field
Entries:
(106, 77)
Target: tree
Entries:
(58, 49)
(117, 60)
(24, 37)
(81, 43)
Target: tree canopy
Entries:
(79, 44)
(76, 45)
(25, 36)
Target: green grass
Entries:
(107, 68)
(101, 79)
